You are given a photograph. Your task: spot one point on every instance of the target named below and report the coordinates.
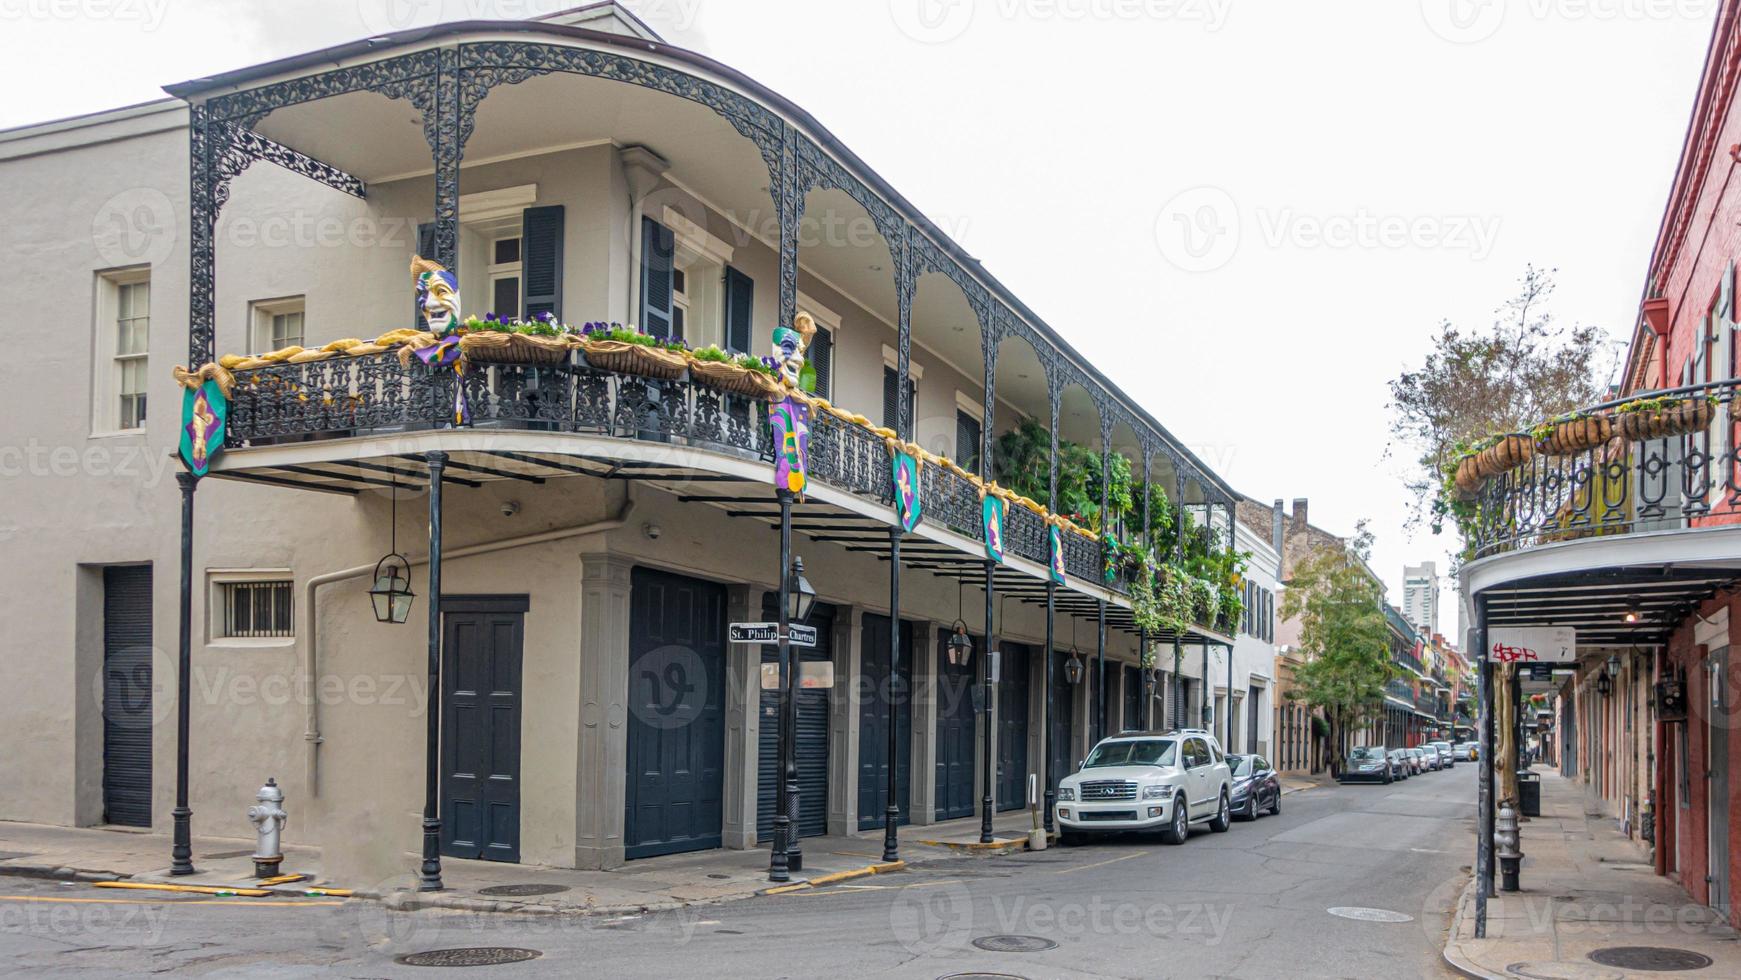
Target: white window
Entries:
(253, 604)
(123, 343)
(505, 290)
(698, 261)
(279, 323)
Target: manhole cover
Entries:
(468, 956)
(1650, 958)
(1014, 944)
(522, 890)
(1371, 915)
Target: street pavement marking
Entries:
(1100, 864)
(149, 901)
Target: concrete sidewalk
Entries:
(649, 885)
(1584, 888)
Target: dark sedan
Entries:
(1367, 764)
(1256, 787)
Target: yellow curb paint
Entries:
(192, 889)
(146, 901)
(783, 889)
(282, 880)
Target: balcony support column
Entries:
(988, 774)
(1106, 535)
(790, 201)
(905, 282)
(1484, 813)
(181, 846)
(429, 875)
(1054, 389)
(1144, 658)
(447, 146)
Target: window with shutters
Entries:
(967, 441)
(254, 609)
(123, 336)
(891, 408)
(740, 311)
(689, 289)
(821, 357)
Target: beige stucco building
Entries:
(598, 530)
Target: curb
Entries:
(1002, 845)
(1456, 960)
(837, 876)
(63, 873)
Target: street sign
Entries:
(768, 633)
(812, 675)
(1532, 645)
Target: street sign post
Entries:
(1532, 645)
(767, 633)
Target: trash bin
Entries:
(1529, 793)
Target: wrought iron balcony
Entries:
(1666, 469)
(373, 395)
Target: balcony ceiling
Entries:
(1596, 603)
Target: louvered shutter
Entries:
(658, 246)
(967, 439)
(890, 416)
(740, 294)
(821, 356)
(541, 260)
(426, 249)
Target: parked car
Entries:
(1147, 781)
(1256, 787)
(1426, 760)
(1466, 751)
(1447, 758)
(1401, 764)
(1367, 764)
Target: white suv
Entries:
(1147, 781)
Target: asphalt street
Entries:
(1253, 902)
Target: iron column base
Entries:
(429, 874)
(181, 850)
(891, 842)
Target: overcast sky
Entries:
(1250, 213)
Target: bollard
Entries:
(269, 818)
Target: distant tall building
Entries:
(1420, 597)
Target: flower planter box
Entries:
(639, 359)
(1680, 418)
(735, 380)
(1576, 435)
(491, 347)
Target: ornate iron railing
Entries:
(1627, 485)
(376, 394)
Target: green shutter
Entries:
(541, 261)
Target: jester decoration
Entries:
(204, 411)
(906, 476)
(438, 298)
(992, 508)
(790, 417)
(1057, 553)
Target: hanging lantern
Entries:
(1075, 668)
(1604, 686)
(391, 594)
(960, 648)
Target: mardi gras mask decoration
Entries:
(790, 344)
(437, 295)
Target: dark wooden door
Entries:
(1012, 727)
(877, 691)
(127, 695)
(1062, 720)
(1133, 699)
(955, 730)
(812, 747)
(676, 775)
(481, 652)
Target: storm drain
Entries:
(1014, 944)
(1370, 915)
(469, 956)
(1663, 959)
(522, 890)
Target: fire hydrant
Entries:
(269, 818)
(1506, 847)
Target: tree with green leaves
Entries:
(1340, 607)
(1525, 368)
